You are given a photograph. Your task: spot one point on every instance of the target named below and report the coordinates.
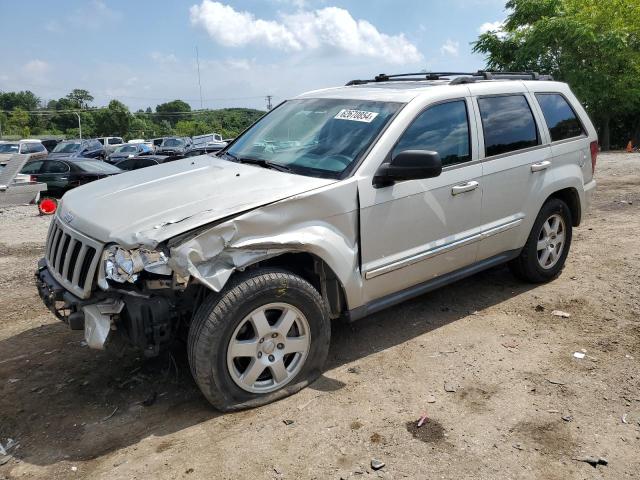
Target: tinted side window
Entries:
(52, 166)
(115, 141)
(508, 124)
(101, 140)
(442, 128)
(126, 164)
(31, 168)
(562, 121)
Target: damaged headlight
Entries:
(122, 265)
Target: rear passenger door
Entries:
(569, 141)
(57, 177)
(516, 159)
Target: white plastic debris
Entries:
(578, 354)
(560, 313)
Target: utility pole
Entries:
(269, 106)
(79, 124)
(199, 83)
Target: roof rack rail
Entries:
(460, 77)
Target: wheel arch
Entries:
(571, 197)
(314, 270)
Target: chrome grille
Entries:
(72, 258)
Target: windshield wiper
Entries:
(262, 163)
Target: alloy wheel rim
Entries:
(268, 348)
(551, 241)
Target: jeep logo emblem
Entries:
(68, 217)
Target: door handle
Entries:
(465, 187)
(537, 167)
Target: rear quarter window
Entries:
(561, 119)
(507, 123)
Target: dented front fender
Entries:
(323, 222)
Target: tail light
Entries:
(594, 155)
(32, 178)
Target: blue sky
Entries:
(143, 52)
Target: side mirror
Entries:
(408, 165)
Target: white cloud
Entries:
(160, 57)
(328, 29)
(490, 27)
(450, 48)
(36, 67)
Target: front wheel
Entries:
(264, 337)
(547, 247)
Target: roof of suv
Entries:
(405, 91)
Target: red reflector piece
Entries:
(48, 206)
(594, 155)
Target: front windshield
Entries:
(9, 147)
(127, 149)
(67, 147)
(172, 142)
(317, 137)
(96, 166)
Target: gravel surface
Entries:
(485, 360)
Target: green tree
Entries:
(82, 98)
(113, 120)
(167, 111)
(18, 123)
(25, 100)
(594, 45)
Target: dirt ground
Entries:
(523, 405)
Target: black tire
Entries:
(219, 315)
(526, 266)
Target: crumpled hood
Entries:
(150, 205)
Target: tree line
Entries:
(23, 114)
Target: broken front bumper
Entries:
(94, 316)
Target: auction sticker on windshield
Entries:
(356, 115)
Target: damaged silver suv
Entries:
(336, 204)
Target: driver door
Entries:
(416, 230)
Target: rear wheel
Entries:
(543, 256)
(264, 337)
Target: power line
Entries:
(269, 106)
(199, 83)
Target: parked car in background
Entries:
(174, 146)
(17, 188)
(28, 146)
(157, 142)
(128, 150)
(148, 143)
(212, 140)
(78, 148)
(50, 143)
(201, 150)
(136, 163)
(61, 175)
(110, 143)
